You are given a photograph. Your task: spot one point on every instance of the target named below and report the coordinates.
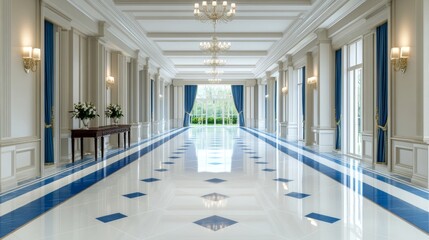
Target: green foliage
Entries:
(219, 120)
(210, 120)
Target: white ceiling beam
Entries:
(182, 18)
(229, 53)
(203, 36)
(201, 66)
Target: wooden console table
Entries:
(96, 132)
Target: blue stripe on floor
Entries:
(18, 217)
(7, 196)
(386, 179)
(408, 212)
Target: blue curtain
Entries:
(190, 95)
(338, 104)
(303, 98)
(49, 91)
(382, 86)
(237, 94)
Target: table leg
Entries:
(125, 140)
(72, 140)
(81, 148)
(96, 148)
(129, 139)
(119, 140)
(102, 147)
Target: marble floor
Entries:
(216, 183)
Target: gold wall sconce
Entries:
(285, 90)
(312, 80)
(399, 58)
(30, 58)
(110, 81)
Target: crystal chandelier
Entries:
(214, 62)
(214, 71)
(213, 12)
(215, 46)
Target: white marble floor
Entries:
(225, 183)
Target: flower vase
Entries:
(85, 123)
(115, 121)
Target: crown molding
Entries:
(129, 28)
(299, 30)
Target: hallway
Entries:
(216, 183)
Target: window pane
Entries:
(359, 51)
(352, 56)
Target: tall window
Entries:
(214, 105)
(354, 98)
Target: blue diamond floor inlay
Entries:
(161, 170)
(173, 157)
(134, 195)
(111, 217)
(261, 162)
(215, 180)
(150, 180)
(215, 163)
(215, 223)
(255, 157)
(282, 180)
(215, 197)
(178, 152)
(169, 163)
(297, 195)
(323, 218)
(268, 170)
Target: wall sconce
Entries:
(160, 95)
(312, 80)
(284, 90)
(266, 96)
(400, 58)
(110, 81)
(30, 58)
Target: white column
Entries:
(261, 105)
(281, 98)
(179, 110)
(161, 105)
(249, 100)
(145, 103)
(157, 108)
(291, 102)
(97, 74)
(167, 92)
(325, 132)
(271, 81)
(135, 97)
(308, 123)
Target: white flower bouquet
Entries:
(114, 111)
(85, 110)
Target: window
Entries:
(300, 74)
(214, 105)
(354, 98)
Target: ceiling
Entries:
(254, 31)
(262, 33)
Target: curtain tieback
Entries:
(383, 128)
(48, 125)
(188, 113)
(338, 122)
(240, 112)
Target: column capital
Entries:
(146, 63)
(322, 35)
(289, 60)
(136, 54)
(280, 65)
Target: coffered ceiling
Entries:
(258, 25)
(261, 33)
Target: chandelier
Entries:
(215, 46)
(214, 71)
(214, 62)
(213, 12)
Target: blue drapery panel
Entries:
(304, 81)
(237, 94)
(190, 95)
(49, 91)
(338, 104)
(382, 86)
